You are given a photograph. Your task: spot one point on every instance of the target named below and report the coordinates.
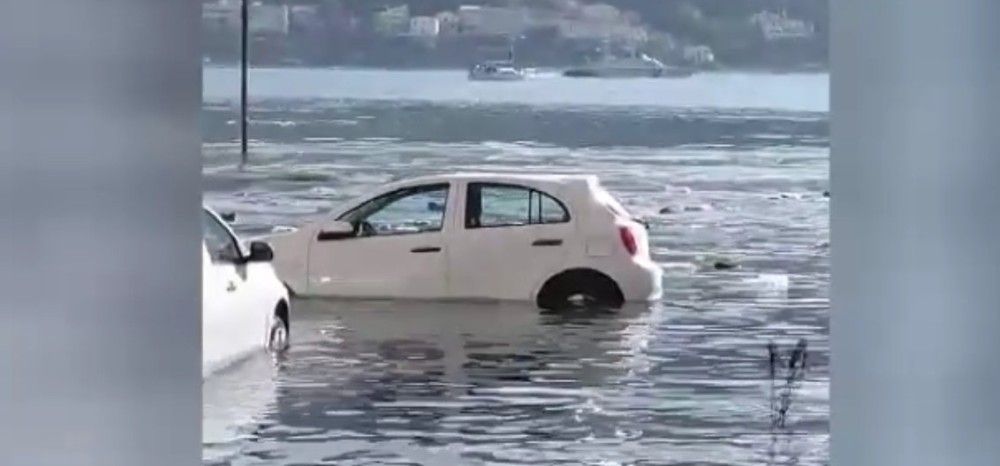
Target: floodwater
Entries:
(739, 162)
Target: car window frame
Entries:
(229, 234)
(417, 189)
(567, 218)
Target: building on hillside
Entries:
(425, 26)
(778, 26)
(448, 23)
(698, 55)
(392, 21)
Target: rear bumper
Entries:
(641, 281)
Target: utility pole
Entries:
(244, 20)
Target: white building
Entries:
(698, 54)
(448, 23)
(425, 26)
(775, 26)
(392, 21)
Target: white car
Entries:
(244, 305)
(551, 239)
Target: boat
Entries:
(635, 66)
(496, 71)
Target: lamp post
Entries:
(243, 81)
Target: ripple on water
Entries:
(682, 381)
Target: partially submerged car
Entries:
(244, 305)
(557, 240)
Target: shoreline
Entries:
(805, 69)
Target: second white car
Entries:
(557, 240)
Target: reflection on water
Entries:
(682, 381)
(462, 383)
(234, 401)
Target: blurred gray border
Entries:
(915, 232)
(100, 185)
(99, 194)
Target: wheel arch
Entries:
(574, 274)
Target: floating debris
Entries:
(724, 264)
(826, 193)
(304, 176)
(687, 208)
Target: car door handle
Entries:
(547, 242)
(426, 249)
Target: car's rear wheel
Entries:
(277, 335)
(581, 288)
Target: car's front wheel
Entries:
(277, 335)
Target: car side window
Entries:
(550, 210)
(419, 209)
(221, 245)
(497, 205)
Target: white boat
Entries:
(496, 71)
(636, 66)
(499, 70)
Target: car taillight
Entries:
(628, 240)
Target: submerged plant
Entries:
(795, 371)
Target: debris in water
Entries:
(698, 208)
(305, 176)
(826, 193)
(668, 210)
(725, 264)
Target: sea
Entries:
(729, 169)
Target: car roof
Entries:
(499, 177)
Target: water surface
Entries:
(739, 161)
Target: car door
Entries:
(232, 323)
(214, 301)
(511, 238)
(398, 249)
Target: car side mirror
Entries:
(335, 230)
(260, 252)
